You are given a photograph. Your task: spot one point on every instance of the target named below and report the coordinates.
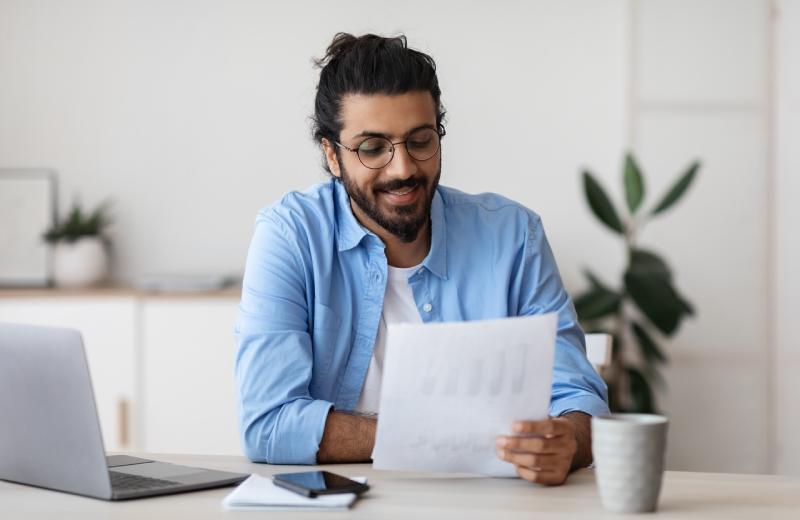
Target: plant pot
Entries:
(82, 263)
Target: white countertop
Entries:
(415, 496)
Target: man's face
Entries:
(397, 197)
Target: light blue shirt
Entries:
(313, 293)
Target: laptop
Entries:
(49, 431)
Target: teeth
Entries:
(401, 192)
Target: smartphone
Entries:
(314, 483)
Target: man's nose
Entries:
(402, 165)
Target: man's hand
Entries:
(545, 451)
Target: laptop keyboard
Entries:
(127, 482)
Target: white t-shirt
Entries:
(398, 307)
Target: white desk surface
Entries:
(405, 495)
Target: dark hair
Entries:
(369, 64)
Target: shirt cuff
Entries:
(302, 424)
(588, 404)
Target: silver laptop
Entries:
(49, 431)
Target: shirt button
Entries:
(427, 307)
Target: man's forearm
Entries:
(347, 438)
(583, 436)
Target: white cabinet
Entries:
(189, 400)
(110, 336)
(162, 366)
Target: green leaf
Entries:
(634, 184)
(648, 262)
(678, 189)
(656, 298)
(595, 280)
(687, 307)
(597, 303)
(648, 281)
(78, 224)
(640, 392)
(600, 203)
(650, 350)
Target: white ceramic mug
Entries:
(629, 460)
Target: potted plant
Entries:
(80, 255)
(645, 306)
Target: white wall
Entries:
(787, 258)
(192, 115)
(699, 91)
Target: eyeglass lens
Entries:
(377, 152)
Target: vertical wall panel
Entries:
(700, 72)
(787, 276)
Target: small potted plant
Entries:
(80, 255)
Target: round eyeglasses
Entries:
(376, 152)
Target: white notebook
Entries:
(259, 493)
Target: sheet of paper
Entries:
(259, 493)
(450, 388)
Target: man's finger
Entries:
(546, 427)
(547, 478)
(536, 444)
(534, 461)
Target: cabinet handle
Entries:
(122, 422)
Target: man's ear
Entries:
(330, 157)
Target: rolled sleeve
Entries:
(586, 403)
(279, 420)
(301, 423)
(576, 385)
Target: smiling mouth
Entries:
(402, 196)
(401, 192)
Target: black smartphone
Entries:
(314, 483)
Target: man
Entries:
(382, 242)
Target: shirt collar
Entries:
(350, 232)
(436, 261)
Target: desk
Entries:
(405, 495)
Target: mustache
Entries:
(411, 182)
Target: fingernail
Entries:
(501, 454)
(501, 441)
(517, 427)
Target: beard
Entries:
(404, 222)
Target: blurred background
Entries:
(189, 116)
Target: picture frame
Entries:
(27, 211)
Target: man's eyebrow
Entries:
(369, 133)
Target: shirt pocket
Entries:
(325, 337)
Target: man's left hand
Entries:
(542, 451)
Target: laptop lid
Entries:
(50, 435)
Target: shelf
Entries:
(114, 291)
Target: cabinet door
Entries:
(188, 359)
(108, 326)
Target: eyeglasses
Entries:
(376, 152)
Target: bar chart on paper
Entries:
(450, 388)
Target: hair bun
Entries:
(343, 43)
